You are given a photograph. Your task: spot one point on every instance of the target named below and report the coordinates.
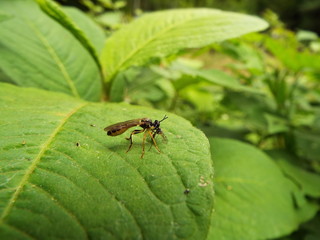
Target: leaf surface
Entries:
(88, 26)
(308, 182)
(62, 177)
(253, 198)
(38, 52)
(163, 33)
(54, 11)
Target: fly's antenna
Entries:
(164, 118)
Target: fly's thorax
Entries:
(145, 123)
(156, 124)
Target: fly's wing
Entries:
(121, 127)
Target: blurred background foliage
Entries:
(296, 14)
(263, 88)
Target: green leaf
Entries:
(307, 143)
(56, 13)
(38, 52)
(291, 57)
(4, 17)
(307, 182)
(62, 177)
(164, 33)
(253, 198)
(88, 26)
(212, 76)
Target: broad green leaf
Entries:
(163, 33)
(56, 13)
(216, 77)
(307, 36)
(307, 182)
(4, 17)
(112, 20)
(118, 88)
(62, 177)
(38, 52)
(5, 78)
(88, 26)
(307, 143)
(253, 198)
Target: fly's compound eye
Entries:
(156, 124)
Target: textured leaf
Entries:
(160, 34)
(308, 182)
(88, 26)
(4, 17)
(37, 52)
(62, 177)
(211, 76)
(54, 11)
(307, 144)
(253, 198)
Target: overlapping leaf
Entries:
(54, 11)
(38, 52)
(163, 33)
(254, 200)
(62, 177)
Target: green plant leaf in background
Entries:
(4, 17)
(62, 177)
(94, 32)
(54, 11)
(253, 197)
(211, 76)
(163, 33)
(38, 52)
(292, 58)
(307, 181)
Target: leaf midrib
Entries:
(55, 58)
(132, 53)
(37, 159)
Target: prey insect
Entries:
(149, 128)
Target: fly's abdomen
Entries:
(116, 132)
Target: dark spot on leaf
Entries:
(78, 144)
(187, 191)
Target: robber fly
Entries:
(149, 128)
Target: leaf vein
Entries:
(34, 163)
(149, 40)
(102, 185)
(56, 59)
(58, 203)
(20, 231)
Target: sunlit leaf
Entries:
(38, 52)
(163, 33)
(55, 12)
(253, 197)
(62, 177)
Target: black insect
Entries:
(149, 128)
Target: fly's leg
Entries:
(130, 138)
(154, 141)
(143, 142)
(154, 136)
